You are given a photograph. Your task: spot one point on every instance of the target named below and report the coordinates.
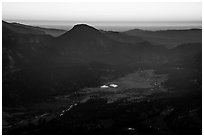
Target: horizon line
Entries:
(95, 26)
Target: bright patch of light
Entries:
(113, 85)
(104, 86)
(131, 129)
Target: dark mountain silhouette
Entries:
(81, 32)
(83, 36)
(22, 47)
(168, 38)
(26, 29)
(84, 43)
(19, 28)
(23, 64)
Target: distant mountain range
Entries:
(168, 38)
(83, 44)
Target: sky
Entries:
(105, 15)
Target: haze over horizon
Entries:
(106, 16)
(113, 26)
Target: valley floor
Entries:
(139, 103)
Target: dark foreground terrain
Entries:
(149, 109)
(87, 81)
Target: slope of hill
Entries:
(120, 37)
(26, 29)
(168, 38)
(86, 43)
(186, 54)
